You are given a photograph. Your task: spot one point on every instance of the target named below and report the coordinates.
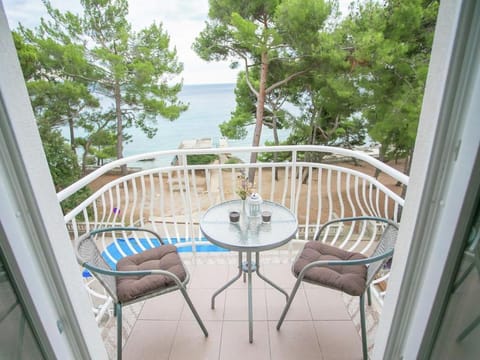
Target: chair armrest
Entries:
(132, 273)
(121, 228)
(355, 218)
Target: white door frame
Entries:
(439, 199)
(36, 245)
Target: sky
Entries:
(182, 19)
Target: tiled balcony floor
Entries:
(318, 325)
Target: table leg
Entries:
(231, 281)
(257, 261)
(250, 303)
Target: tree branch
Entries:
(284, 81)
(247, 79)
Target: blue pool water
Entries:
(201, 245)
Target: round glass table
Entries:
(248, 235)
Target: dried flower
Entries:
(244, 188)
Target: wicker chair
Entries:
(349, 272)
(138, 277)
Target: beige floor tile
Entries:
(236, 304)
(295, 340)
(209, 276)
(317, 325)
(201, 299)
(235, 344)
(276, 301)
(190, 342)
(150, 340)
(326, 304)
(280, 274)
(163, 307)
(338, 340)
(241, 283)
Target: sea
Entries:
(209, 106)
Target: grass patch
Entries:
(201, 159)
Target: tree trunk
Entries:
(408, 164)
(277, 142)
(84, 157)
(259, 114)
(72, 133)
(381, 157)
(118, 114)
(311, 141)
(406, 171)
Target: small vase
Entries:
(244, 207)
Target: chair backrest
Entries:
(87, 253)
(386, 243)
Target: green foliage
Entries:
(63, 165)
(99, 139)
(391, 48)
(233, 160)
(132, 68)
(245, 110)
(70, 58)
(298, 23)
(61, 159)
(364, 73)
(272, 40)
(59, 102)
(201, 159)
(275, 156)
(56, 74)
(27, 55)
(211, 45)
(328, 102)
(73, 200)
(244, 113)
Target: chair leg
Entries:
(364, 327)
(118, 314)
(369, 296)
(289, 302)
(469, 329)
(194, 311)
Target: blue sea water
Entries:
(209, 106)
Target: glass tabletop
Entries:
(249, 233)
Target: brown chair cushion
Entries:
(347, 278)
(164, 257)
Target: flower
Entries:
(244, 188)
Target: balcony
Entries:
(436, 219)
(171, 199)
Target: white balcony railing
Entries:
(170, 199)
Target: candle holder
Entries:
(234, 216)
(254, 205)
(266, 216)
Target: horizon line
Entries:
(214, 83)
